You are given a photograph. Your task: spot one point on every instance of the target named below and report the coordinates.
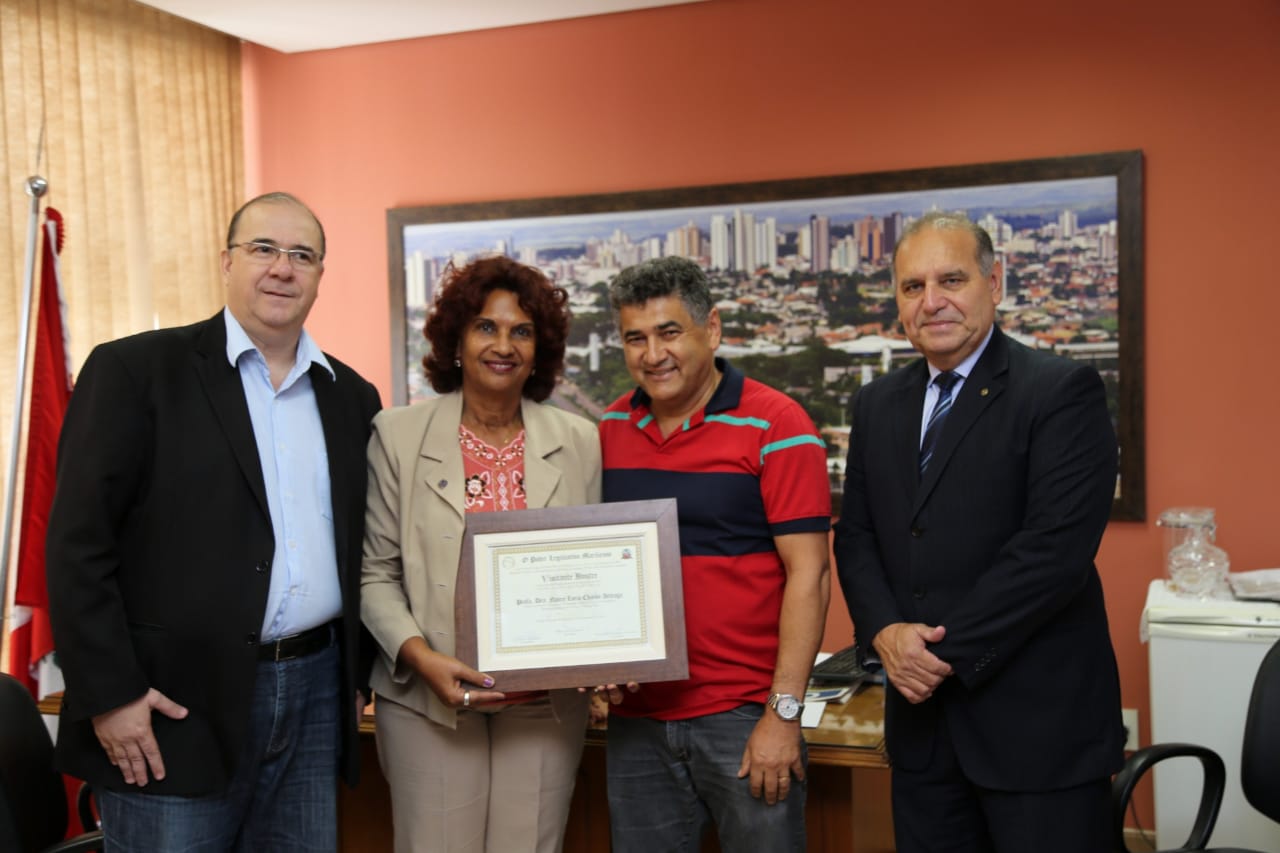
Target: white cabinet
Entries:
(1204, 655)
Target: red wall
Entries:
(745, 90)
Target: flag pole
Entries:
(36, 187)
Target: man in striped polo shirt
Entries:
(748, 471)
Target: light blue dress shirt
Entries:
(962, 370)
(305, 591)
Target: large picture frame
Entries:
(801, 268)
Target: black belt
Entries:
(297, 645)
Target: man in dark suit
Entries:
(204, 563)
(965, 552)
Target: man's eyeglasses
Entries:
(266, 253)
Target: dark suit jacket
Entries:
(996, 543)
(160, 544)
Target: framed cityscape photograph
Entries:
(801, 273)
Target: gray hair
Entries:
(660, 277)
(942, 221)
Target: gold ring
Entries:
(466, 698)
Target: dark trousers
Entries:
(938, 810)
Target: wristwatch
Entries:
(786, 706)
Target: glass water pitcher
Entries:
(1196, 567)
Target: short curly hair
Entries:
(659, 277)
(460, 300)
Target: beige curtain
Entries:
(143, 152)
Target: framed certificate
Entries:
(572, 596)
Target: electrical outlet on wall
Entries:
(1130, 717)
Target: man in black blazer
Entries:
(204, 563)
(971, 576)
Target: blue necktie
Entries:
(945, 382)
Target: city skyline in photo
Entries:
(449, 239)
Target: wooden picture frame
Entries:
(572, 596)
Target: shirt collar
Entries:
(238, 344)
(964, 368)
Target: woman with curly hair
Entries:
(471, 768)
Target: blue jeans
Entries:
(669, 780)
(283, 796)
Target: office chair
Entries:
(33, 801)
(1259, 766)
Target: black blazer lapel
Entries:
(226, 395)
(980, 389)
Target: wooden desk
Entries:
(847, 809)
(852, 734)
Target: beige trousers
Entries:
(500, 783)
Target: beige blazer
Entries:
(415, 519)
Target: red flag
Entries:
(32, 640)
